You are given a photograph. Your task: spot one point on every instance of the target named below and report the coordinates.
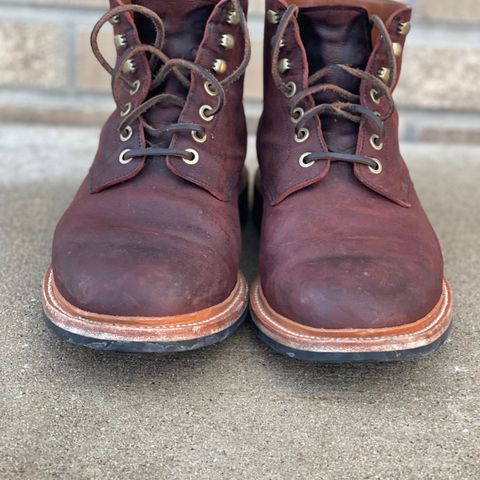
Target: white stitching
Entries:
(343, 339)
(51, 301)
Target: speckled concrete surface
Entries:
(237, 410)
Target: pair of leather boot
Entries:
(146, 258)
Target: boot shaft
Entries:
(195, 52)
(332, 58)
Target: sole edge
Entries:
(357, 349)
(144, 334)
(143, 347)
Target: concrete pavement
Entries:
(236, 410)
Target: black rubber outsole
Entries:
(143, 347)
(354, 357)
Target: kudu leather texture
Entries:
(341, 246)
(157, 236)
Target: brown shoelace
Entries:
(161, 66)
(349, 107)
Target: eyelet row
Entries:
(375, 139)
(125, 110)
(220, 66)
(227, 41)
(403, 29)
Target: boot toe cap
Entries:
(339, 293)
(141, 280)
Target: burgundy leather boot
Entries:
(146, 257)
(350, 268)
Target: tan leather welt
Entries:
(267, 316)
(219, 310)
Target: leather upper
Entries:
(157, 236)
(341, 246)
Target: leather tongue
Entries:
(184, 22)
(336, 35)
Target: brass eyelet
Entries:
(297, 114)
(203, 112)
(378, 169)
(120, 41)
(122, 159)
(273, 17)
(233, 18)
(384, 74)
(302, 135)
(135, 87)
(126, 109)
(199, 139)
(194, 160)
(284, 65)
(404, 28)
(375, 142)
(115, 19)
(126, 134)
(290, 89)
(209, 89)
(302, 161)
(219, 66)
(129, 67)
(397, 49)
(375, 96)
(227, 41)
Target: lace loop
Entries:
(156, 20)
